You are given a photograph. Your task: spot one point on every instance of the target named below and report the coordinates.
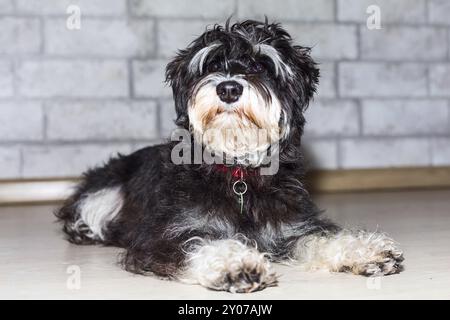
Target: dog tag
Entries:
(240, 188)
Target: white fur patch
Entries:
(98, 209)
(228, 265)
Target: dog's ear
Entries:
(306, 74)
(177, 77)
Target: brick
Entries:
(404, 43)
(183, 9)
(101, 120)
(440, 151)
(9, 162)
(365, 79)
(67, 160)
(298, 10)
(332, 118)
(149, 76)
(6, 79)
(19, 35)
(174, 35)
(328, 41)
(402, 117)
(440, 79)
(410, 11)
(21, 121)
(72, 78)
(168, 117)
(6, 6)
(372, 153)
(327, 88)
(113, 37)
(439, 11)
(321, 154)
(59, 7)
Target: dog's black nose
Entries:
(229, 91)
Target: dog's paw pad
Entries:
(386, 263)
(249, 280)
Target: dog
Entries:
(223, 224)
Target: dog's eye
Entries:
(214, 67)
(257, 67)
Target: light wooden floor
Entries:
(34, 258)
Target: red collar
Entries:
(236, 171)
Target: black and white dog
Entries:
(221, 225)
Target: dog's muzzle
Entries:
(229, 91)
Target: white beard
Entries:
(243, 130)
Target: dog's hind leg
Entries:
(358, 252)
(96, 202)
(86, 215)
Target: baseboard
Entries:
(55, 190)
(379, 179)
(35, 191)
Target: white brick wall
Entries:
(368, 153)
(177, 34)
(72, 78)
(103, 120)
(19, 35)
(330, 41)
(440, 151)
(332, 118)
(10, 163)
(440, 79)
(168, 116)
(374, 79)
(138, 38)
(66, 160)
(58, 7)
(403, 117)
(6, 79)
(404, 43)
(439, 11)
(397, 11)
(70, 99)
(21, 123)
(6, 6)
(300, 10)
(327, 87)
(182, 9)
(148, 79)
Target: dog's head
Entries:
(242, 87)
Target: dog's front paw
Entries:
(230, 265)
(251, 274)
(372, 254)
(387, 262)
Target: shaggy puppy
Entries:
(219, 206)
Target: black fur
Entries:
(159, 194)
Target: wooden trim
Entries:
(35, 191)
(55, 190)
(379, 179)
